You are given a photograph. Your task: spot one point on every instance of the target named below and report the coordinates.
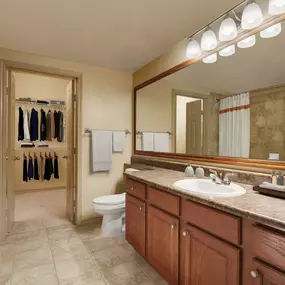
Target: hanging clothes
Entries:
(56, 124)
(21, 125)
(26, 126)
(36, 169)
(25, 170)
(34, 125)
(56, 170)
(41, 168)
(50, 125)
(43, 126)
(48, 169)
(61, 127)
(30, 169)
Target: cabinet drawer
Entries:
(136, 188)
(163, 200)
(218, 223)
(269, 246)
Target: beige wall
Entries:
(106, 104)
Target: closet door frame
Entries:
(4, 175)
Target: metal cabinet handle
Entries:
(17, 158)
(185, 233)
(173, 226)
(254, 274)
(133, 188)
(65, 157)
(141, 208)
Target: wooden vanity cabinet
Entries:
(265, 275)
(162, 243)
(136, 224)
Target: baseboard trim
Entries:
(92, 221)
(39, 190)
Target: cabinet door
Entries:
(206, 260)
(162, 243)
(264, 275)
(135, 223)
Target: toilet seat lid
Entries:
(111, 199)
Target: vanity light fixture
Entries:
(271, 32)
(252, 16)
(210, 58)
(193, 49)
(228, 30)
(228, 51)
(209, 40)
(247, 42)
(276, 7)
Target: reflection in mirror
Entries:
(234, 107)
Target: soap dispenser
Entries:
(189, 171)
(200, 173)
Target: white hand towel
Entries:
(147, 141)
(26, 126)
(101, 150)
(119, 141)
(161, 142)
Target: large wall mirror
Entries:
(232, 108)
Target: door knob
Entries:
(185, 233)
(173, 226)
(7, 157)
(254, 274)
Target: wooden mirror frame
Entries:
(233, 161)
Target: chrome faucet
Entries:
(221, 176)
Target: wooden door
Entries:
(11, 157)
(264, 275)
(194, 127)
(71, 137)
(206, 260)
(162, 243)
(136, 223)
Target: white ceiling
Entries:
(257, 67)
(123, 35)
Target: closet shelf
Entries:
(34, 103)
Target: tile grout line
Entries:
(93, 261)
(52, 258)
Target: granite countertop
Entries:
(260, 208)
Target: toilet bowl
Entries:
(112, 207)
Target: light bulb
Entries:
(252, 16)
(271, 32)
(248, 42)
(193, 49)
(228, 51)
(228, 30)
(209, 41)
(276, 7)
(210, 58)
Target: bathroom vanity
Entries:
(196, 240)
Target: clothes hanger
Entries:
(41, 156)
(30, 157)
(24, 155)
(35, 156)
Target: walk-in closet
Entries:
(39, 107)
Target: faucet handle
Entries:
(213, 171)
(227, 176)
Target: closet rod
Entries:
(89, 131)
(140, 133)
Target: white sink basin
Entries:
(209, 188)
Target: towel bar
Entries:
(89, 131)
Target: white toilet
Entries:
(112, 207)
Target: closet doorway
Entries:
(40, 124)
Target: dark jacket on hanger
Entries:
(21, 125)
(56, 170)
(25, 170)
(36, 169)
(50, 126)
(48, 169)
(56, 124)
(30, 169)
(43, 126)
(34, 125)
(61, 127)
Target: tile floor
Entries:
(48, 250)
